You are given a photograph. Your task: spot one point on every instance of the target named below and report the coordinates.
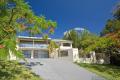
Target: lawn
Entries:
(12, 70)
(109, 72)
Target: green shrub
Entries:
(12, 70)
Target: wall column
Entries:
(32, 54)
(71, 45)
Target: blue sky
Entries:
(89, 14)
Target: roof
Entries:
(61, 40)
(56, 40)
(27, 37)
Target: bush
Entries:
(12, 70)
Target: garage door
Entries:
(27, 53)
(40, 54)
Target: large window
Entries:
(67, 44)
(27, 53)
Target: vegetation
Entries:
(110, 72)
(82, 41)
(16, 16)
(12, 70)
(78, 37)
(52, 47)
(107, 43)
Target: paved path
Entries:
(57, 69)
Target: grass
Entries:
(109, 72)
(12, 70)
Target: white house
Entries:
(36, 47)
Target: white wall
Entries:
(75, 55)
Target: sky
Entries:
(69, 14)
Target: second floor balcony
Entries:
(28, 45)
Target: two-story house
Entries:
(35, 47)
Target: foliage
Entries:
(112, 30)
(11, 70)
(52, 46)
(109, 72)
(16, 16)
(73, 36)
(82, 40)
(113, 25)
(88, 40)
(101, 45)
(76, 37)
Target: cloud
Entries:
(79, 29)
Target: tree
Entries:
(73, 36)
(112, 27)
(16, 16)
(52, 47)
(112, 30)
(81, 40)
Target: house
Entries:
(36, 47)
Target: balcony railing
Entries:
(33, 45)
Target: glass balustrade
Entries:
(34, 46)
(25, 45)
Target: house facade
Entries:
(35, 47)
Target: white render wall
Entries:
(75, 55)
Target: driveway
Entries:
(59, 69)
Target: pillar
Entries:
(32, 54)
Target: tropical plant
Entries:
(12, 70)
(81, 40)
(73, 36)
(52, 47)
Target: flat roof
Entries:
(27, 37)
(56, 40)
(61, 40)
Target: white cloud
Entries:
(77, 28)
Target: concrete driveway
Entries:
(58, 69)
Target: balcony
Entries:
(26, 45)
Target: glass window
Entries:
(66, 44)
(63, 53)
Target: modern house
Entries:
(36, 47)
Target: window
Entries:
(66, 44)
(63, 53)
